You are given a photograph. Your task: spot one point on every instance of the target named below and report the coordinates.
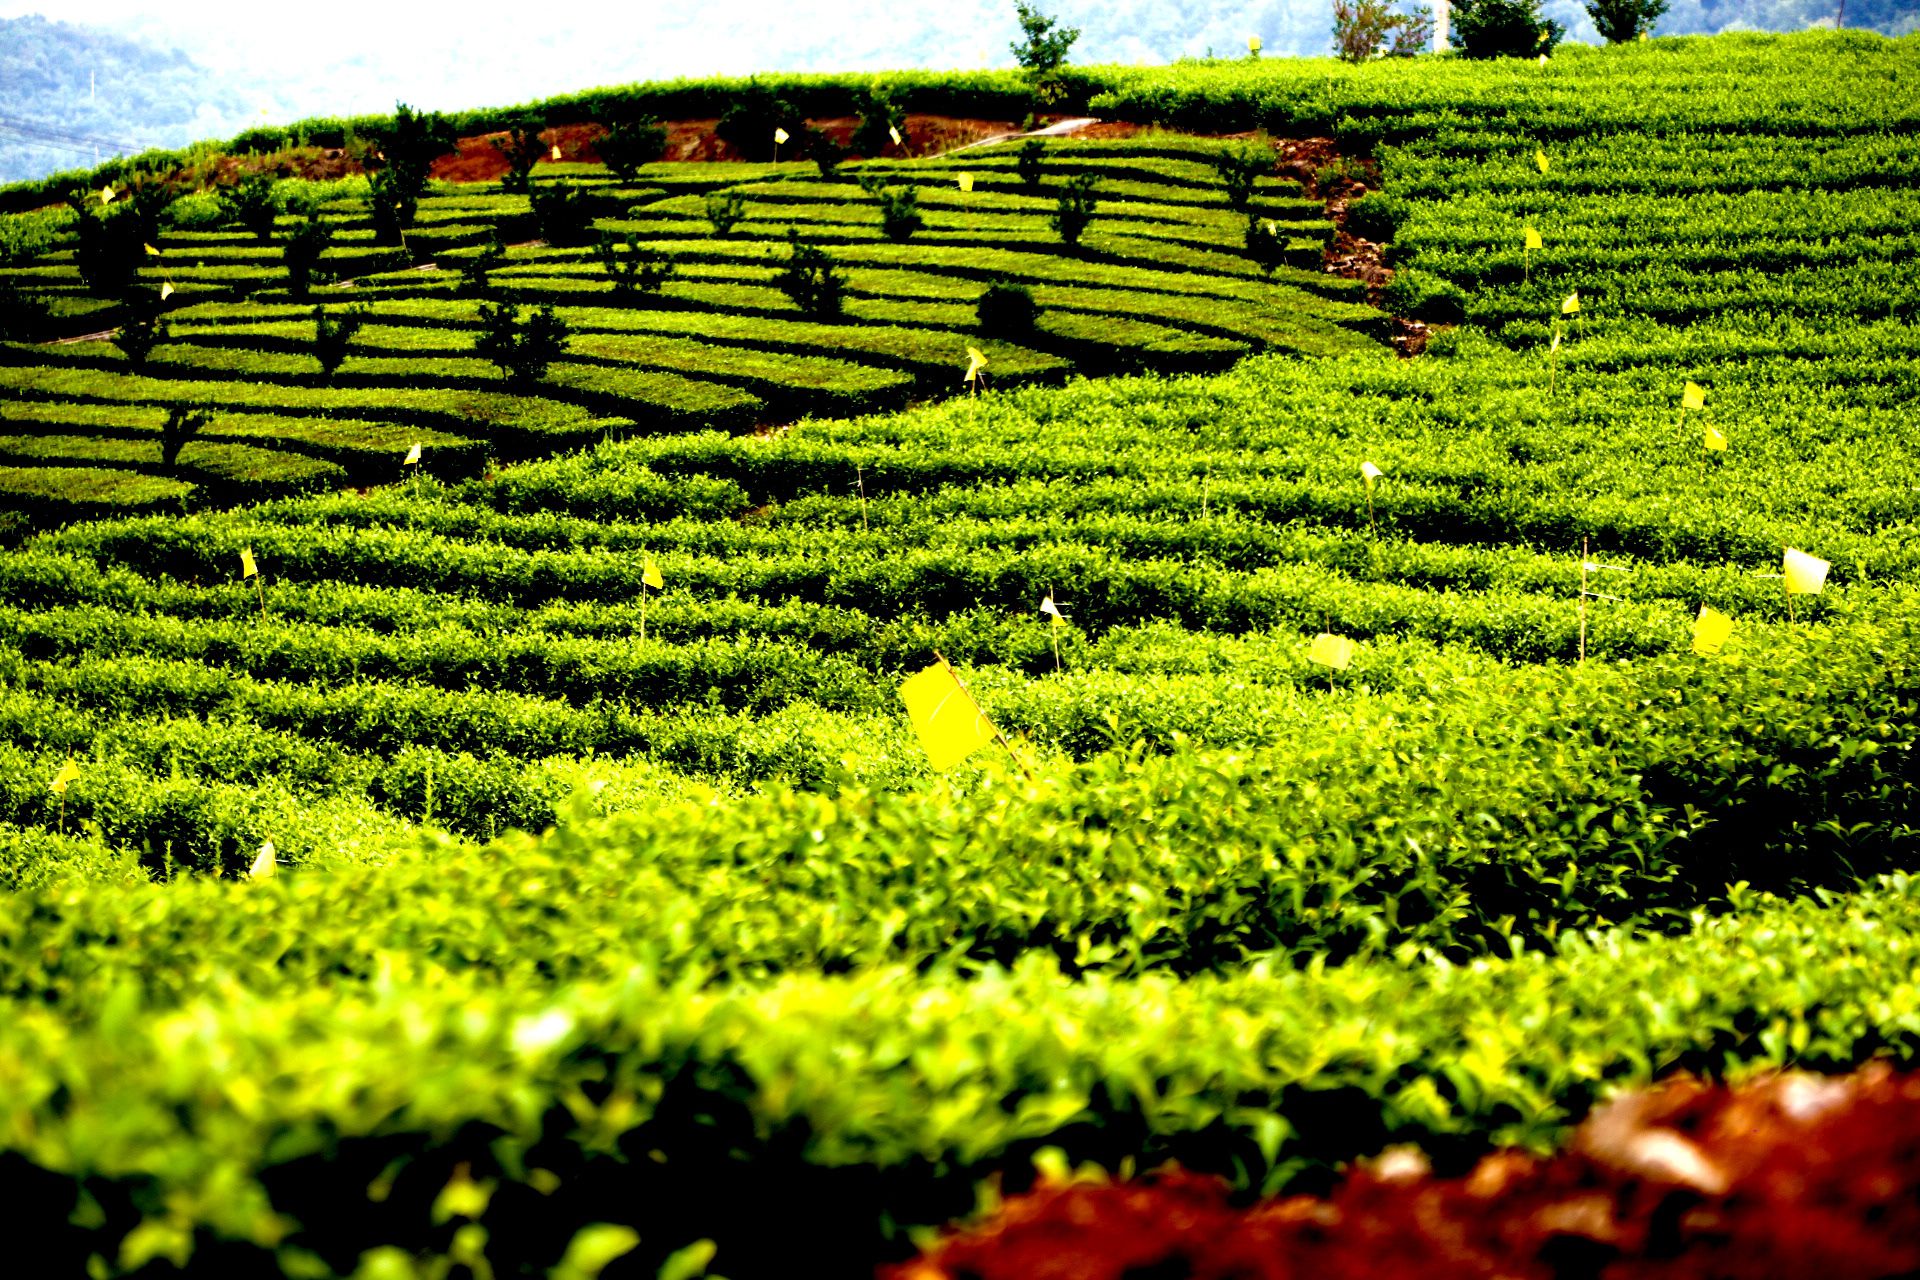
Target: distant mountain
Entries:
(69, 92)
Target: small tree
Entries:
(880, 118)
(725, 209)
(391, 206)
(638, 270)
(630, 144)
(1006, 310)
(561, 211)
(1503, 29)
(489, 259)
(1028, 162)
(182, 425)
(522, 148)
(1264, 243)
(144, 328)
(1075, 209)
(825, 151)
(1619, 21)
(253, 205)
(407, 146)
(1367, 29)
(810, 279)
(523, 350)
(900, 213)
(1044, 50)
(1241, 167)
(331, 336)
(302, 253)
(751, 118)
(108, 251)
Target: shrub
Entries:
(1075, 209)
(487, 260)
(1043, 51)
(1241, 167)
(1367, 29)
(630, 144)
(144, 328)
(182, 425)
(825, 151)
(1375, 217)
(1028, 162)
(1265, 245)
(879, 116)
(725, 209)
(899, 212)
(1503, 29)
(392, 207)
(561, 212)
(750, 120)
(331, 336)
(1425, 297)
(1007, 310)
(523, 350)
(107, 251)
(522, 148)
(302, 253)
(639, 270)
(810, 279)
(405, 149)
(1619, 21)
(253, 205)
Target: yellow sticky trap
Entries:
(151, 251)
(780, 137)
(1543, 59)
(166, 290)
(1253, 45)
(264, 863)
(894, 133)
(1571, 307)
(950, 726)
(1555, 346)
(651, 576)
(1330, 650)
(106, 194)
(1533, 239)
(1716, 440)
(1694, 397)
(248, 569)
(976, 362)
(966, 182)
(555, 153)
(69, 772)
(1370, 473)
(413, 456)
(1047, 606)
(1710, 630)
(1540, 159)
(1805, 574)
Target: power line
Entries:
(61, 139)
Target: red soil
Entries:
(1790, 1176)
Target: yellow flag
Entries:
(1805, 574)
(1253, 45)
(976, 361)
(69, 772)
(1331, 651)
(1710, 630)
(413, 456)
(1716, 440)
(1540, 159)
(166, 290)
(1543, 59)
(780, 137)
(248, 568)
(966, 182)
(1047, 606)
(651, 576)
(555, 153)
(106, 194)
(151, 251)
(1571, 307)
(1533, 239)
(1370, 473)
(263, 863)
(1556, 341)
(950, 726)
(1694, 397)
(894, 133)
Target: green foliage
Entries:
(880, 114)
(1502, 29)
(108, 250)
(1375, 216)
(811, 279)
(523, 149)
(1075, 207)
(826, 152)
(1241, 167)
(253, 204)
(1619, 21)
(1264, 243)
(638, 270)
(406, 147)
(629, 145)
(724, 210)
(1029, 162)
(301, 253)
(523, 349)
(900, 213)
(1367, 29)
(1424, 296)
(1043, 49)
(333, 334)
(482, 263)
(143, 328)
(1006, 310)
(753, 113)
(564, 214)
(182, 425)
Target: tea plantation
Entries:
(763, 980)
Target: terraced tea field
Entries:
(1161, 280)
(766, 987)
